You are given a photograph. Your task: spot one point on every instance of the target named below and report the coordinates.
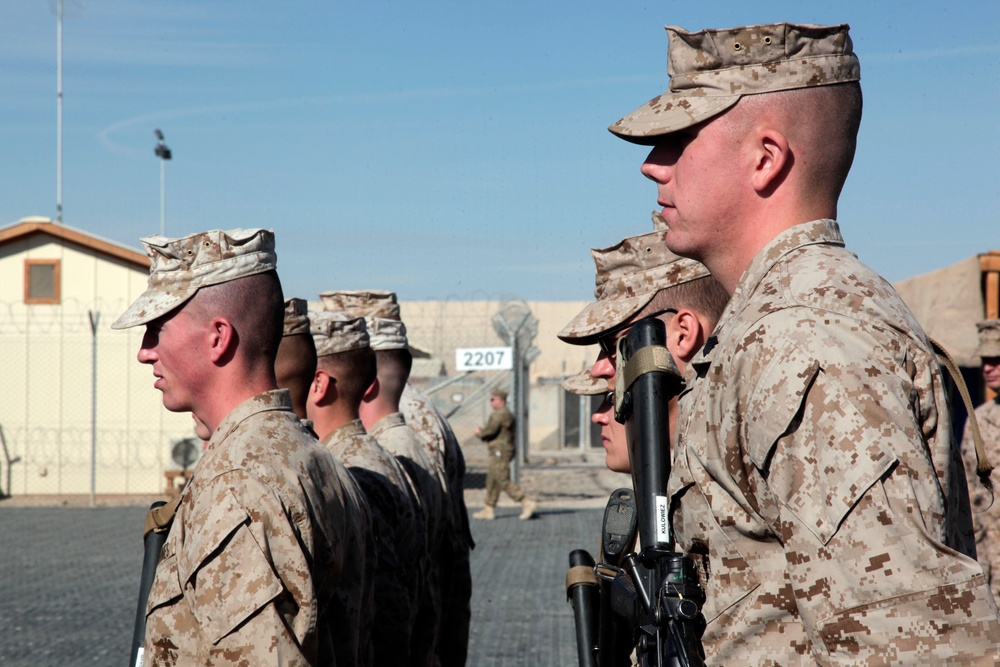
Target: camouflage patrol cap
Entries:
(711, 69)
(296, 317)
(989, 338)
(363, 303)
(629, 274)
(337, 331)
(386, 334)
(499, 393)
(584, 384)
(179, 267)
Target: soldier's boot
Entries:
(527, 509)
(486, 513)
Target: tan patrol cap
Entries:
(711, 70)
(364, 303)
(989, 338)
(336, 331)
(296, 317)
(499, 393)
(386, 334)
(629, 274)
(179, 267)
(584, 384)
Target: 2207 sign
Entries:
(484, 359)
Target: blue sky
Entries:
(458, 149)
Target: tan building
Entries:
(70, 383)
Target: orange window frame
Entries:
(57, 278)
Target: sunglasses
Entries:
(608, 342)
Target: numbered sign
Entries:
(484, 359)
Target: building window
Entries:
(41, 281)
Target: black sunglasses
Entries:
(608, 341)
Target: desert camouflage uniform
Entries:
(436, 436)
(985, 521)
(816, 482)
(399, 440)
(399, 538)
(262, 536)
(498, 434)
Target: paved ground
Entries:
(69, 574)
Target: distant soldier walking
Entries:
(498, 434)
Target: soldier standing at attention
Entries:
(636, 278)
(498, 434)
(345, 368)
(815, 480)
(443, 451)
(296, 360)
(258, 543)
(985, 510)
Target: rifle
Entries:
(657, 589)
(155, 534)
(582, 592)
(592, 610)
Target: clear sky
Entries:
(459, 149)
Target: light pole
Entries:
(162, 152)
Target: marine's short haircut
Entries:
(394, 368)
(353, 371)
(255, 305)
(702, 295)
(295, 365)
(826, 117)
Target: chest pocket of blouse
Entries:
(166, 587)
(814, 449)
(226, 575)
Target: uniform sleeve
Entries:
(246, 574)
(849, 488)
(492, 428)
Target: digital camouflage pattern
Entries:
(296, 319)
(711, 69)
(334, 332)
(386, 334)
(399, 440)
(985, 506)
(628, 276)
(364, 303)
(816, 482)
(498, 434)
(179, 267)
(989, 338)
(264, 536)
(441, 446)
(400, 543)
(584, 384)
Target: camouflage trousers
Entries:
(498, 477)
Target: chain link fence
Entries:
(78, 413)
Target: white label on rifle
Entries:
(662, 524)
(138, 658)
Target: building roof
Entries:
(26, 227)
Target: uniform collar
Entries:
(825, 232)
(349, 430)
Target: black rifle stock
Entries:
(656, 589)
(153, 544)
(582, 591)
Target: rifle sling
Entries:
(581, 574)
(983, 465)
(159, 518)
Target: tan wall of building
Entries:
(441, 327)
(46, 355)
